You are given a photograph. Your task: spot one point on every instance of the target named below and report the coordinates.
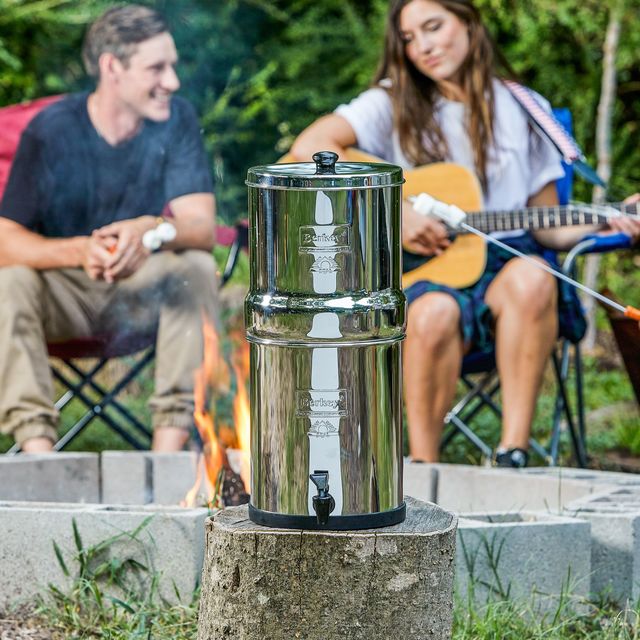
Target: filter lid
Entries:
(326, 174)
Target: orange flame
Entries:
(215, 373)
(227, 436)
(191, 498)
(214, 366)
(241, 415)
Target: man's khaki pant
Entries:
(172, 291)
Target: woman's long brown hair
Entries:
(414, 95)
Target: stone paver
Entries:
(470, 488)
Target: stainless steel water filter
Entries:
(325, 317)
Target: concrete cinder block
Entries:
(420, 480)
(172, 545)
(597, 478)
(522, 555)
(173, 475)
(50, 477)
(456, 486)
(467, 488)
(615, 542)
(126, 477)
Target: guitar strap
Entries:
(552, 129)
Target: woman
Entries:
(438, 96)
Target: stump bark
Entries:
(276, 584)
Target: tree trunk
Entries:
(375, 584)
(603, 152)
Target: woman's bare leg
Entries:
(523, 300)
(432, 358)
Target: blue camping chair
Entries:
(480, 377)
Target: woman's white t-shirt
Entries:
(520, 163)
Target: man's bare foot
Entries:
(167, 439)
(37, 445)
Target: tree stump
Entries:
(280, 584)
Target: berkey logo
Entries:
(330, 238)
(328, 402)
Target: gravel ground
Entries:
(23, 626)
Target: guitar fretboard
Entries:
(532, 218)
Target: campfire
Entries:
(223, 471)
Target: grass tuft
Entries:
(113, 597)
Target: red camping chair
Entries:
(78, 378)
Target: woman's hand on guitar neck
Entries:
(627, 224)
(422, 235)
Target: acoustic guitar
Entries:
(464, 261)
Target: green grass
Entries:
(502, 620)
(113, 596)
(87, 613)
(505, 620)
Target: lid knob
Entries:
(325, 161)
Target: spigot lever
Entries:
(323, 503)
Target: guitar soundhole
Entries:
(412, 261)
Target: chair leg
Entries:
(471, 436)
(95, 409)
(462, 413)
(72, 389)
(580, 400)
(563, 402)
(107, 399)
(124, 381)
(485, 398)
(479, 396)
(95, 412)
(560, 369)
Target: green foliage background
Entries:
(260, 70)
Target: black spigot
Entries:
(323, 503)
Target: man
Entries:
(91, 178)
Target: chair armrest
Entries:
(601, 243)
(596, 243)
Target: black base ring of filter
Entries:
(336, 523)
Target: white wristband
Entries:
(155, 238)
(166, 232)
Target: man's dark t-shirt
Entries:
(67, 181)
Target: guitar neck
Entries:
(533, 218)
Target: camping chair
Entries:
(481, 392)
(589, 244)
(480, 377)
(77, 377)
